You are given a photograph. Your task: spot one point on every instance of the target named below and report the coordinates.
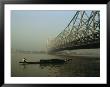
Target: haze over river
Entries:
(78, 66)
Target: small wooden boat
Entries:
(30, 62)
(51, 61)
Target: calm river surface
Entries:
(77, 67)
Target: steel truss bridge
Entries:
(83, 31)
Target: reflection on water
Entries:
(77, 67)
(50, 65)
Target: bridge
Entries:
(82, 32)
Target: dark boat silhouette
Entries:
(50, 61)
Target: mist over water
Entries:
(30, 29)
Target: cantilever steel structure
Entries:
(83, 31)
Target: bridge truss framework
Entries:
(83, 31)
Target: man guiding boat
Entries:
(24, 60)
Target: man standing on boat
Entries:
(24, 60)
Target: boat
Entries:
(50, 61)
(30, 62)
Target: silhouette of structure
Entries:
(83, 31)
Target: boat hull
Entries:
(52, 61)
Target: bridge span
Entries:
(82, 32)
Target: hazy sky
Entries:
(30, 30)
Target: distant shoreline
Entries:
(91, 53)
(83, 56)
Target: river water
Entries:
(77, 67)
